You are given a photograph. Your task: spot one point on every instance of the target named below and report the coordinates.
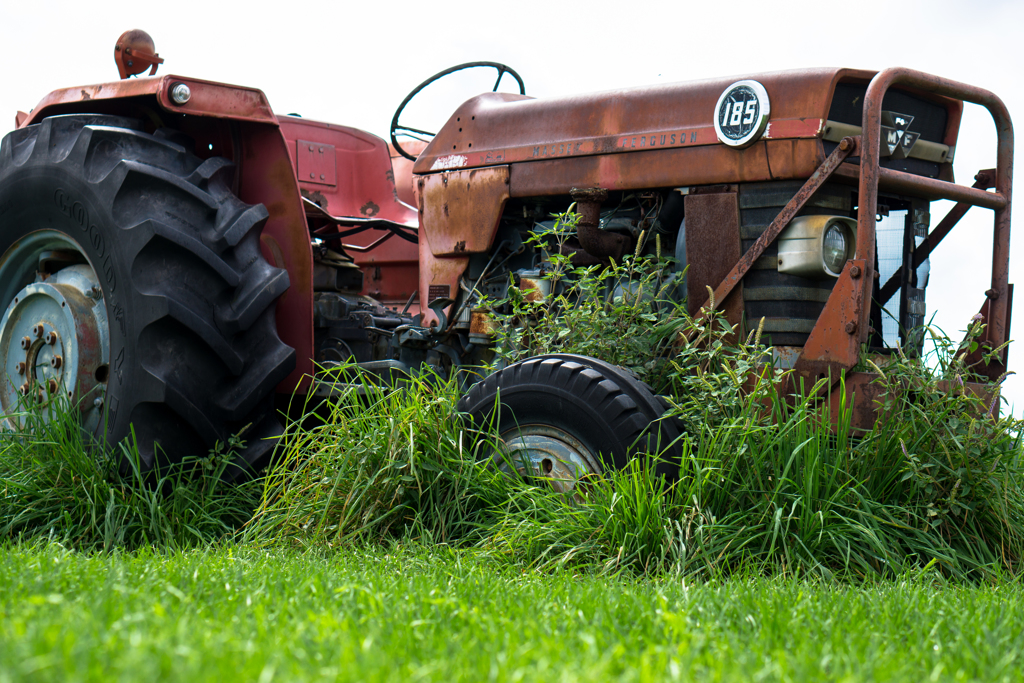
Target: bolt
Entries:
(41, 397)
(851, 328)
(26, 343)
(181, 93)
(98, 402)
(992, 294)
(53, 386)
(845, 144)
(56, 362)
(24, 389)
(38, 330)
(52, 338)
(21, 368)
(855, 272)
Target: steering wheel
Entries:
(397, 128)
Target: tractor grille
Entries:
(790, 304)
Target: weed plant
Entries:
(377, 461)
(770, 481)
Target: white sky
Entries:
(352, 63)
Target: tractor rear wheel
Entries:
(563, 417)
(132, 285)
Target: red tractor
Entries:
(174, 255)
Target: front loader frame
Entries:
(834, 346)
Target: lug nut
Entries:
(851, 328)
(52, 338)
(38, 330)
(53, 386)
(56, 362)
(21, 368)
(26, 343)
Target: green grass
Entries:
(381, 547)
(420, 612)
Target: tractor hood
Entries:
(499, 128)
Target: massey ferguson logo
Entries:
(896, 136)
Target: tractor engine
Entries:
(732, 176)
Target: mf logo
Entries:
(896, 136)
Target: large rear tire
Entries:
(146, 268)
(565, 417)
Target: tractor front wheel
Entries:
(563, 417)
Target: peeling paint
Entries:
(450, 161)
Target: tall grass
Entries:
(768, 482)
(379, 460)
(55, 483)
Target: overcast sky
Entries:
(352, 63)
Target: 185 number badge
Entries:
(741, 114)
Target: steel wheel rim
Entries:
(54, 333)
(548, 453)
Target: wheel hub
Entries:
(54, 346)
(542, 451)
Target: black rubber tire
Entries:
(609, 411)
(194, 350)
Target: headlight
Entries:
(817, 246)
(833, 249)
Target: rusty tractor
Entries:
(175, 257)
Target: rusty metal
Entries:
(833, 346)
(865, 394)
(983, 180)
(482, 323)
(459, 210)
(134, 52)
(498, 128)
(872, 176)
(713, 246)
(578, 256)
(706, 164)
(599, 243)
(459, 213)
(209, 99)
(846, 148)
(987, 342)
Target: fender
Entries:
(236, 123)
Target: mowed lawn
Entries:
(430, 613)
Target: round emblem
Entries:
(741, 114)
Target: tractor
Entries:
(176, 257)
